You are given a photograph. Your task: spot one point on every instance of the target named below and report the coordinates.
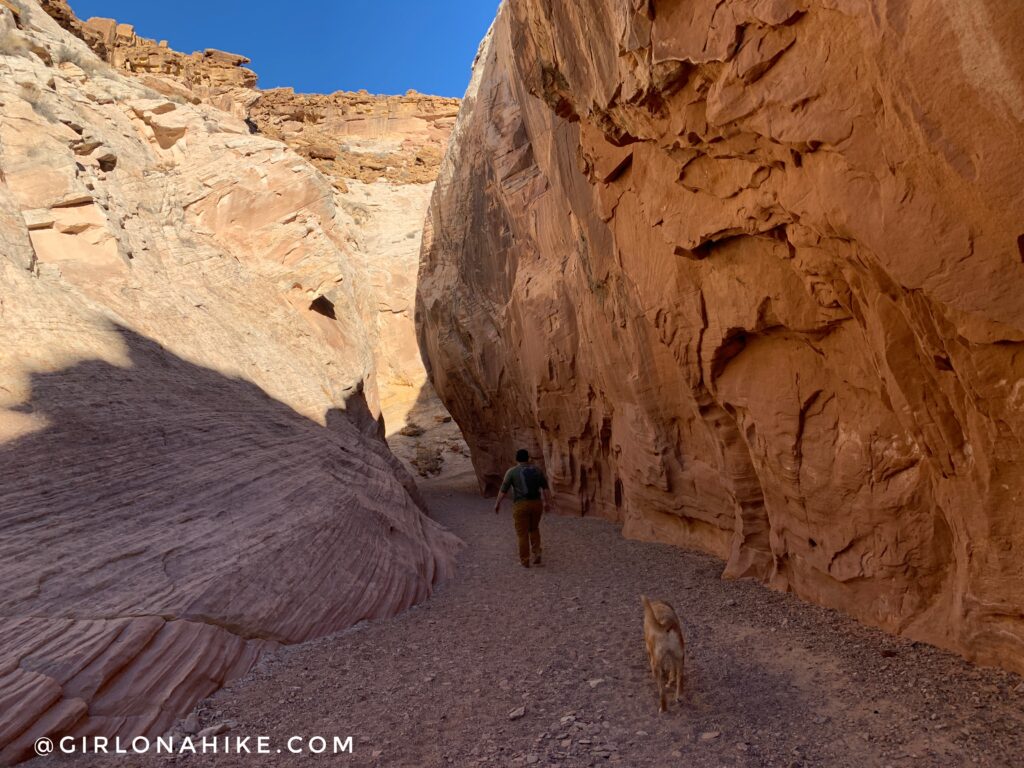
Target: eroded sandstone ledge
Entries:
(748, 276)
(347, 135)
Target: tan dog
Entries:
(665, 646)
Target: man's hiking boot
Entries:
(536, 561)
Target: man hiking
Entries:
(530, 499)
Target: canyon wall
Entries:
(381, 155)
(192, 468)
(747, 276)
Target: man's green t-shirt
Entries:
(526, 482)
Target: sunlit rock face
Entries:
(191, 471)
(748, 276)
(361, 136)
(381, 155)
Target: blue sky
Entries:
(320, 46)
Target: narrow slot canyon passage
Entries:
(770, 681)
(741, 277)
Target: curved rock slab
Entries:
(748, 276)
(191, 463)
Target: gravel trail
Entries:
(513, 667)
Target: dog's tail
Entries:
(679, 633)
(649, 614)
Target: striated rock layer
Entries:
(748, 276)
(191, 469)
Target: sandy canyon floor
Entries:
(770, 681)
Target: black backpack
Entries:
(533, 479)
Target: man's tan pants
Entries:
(526, 515)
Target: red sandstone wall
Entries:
(748, 274)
